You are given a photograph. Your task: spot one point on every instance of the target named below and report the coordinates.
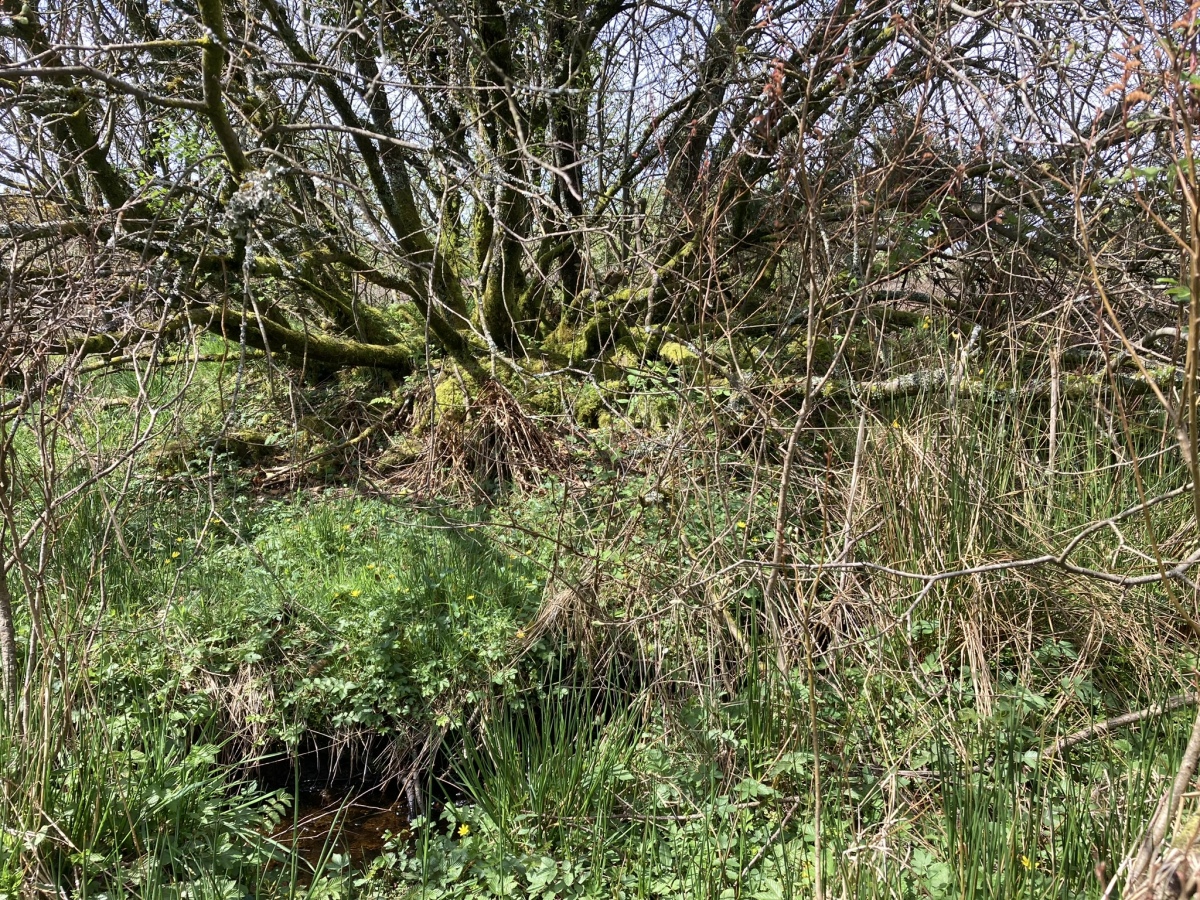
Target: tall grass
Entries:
(712, 803)
(176, 654)
(928, 718)
(627, 700)
(103, 802)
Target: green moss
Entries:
(677, 354)
(587, 405)
(404, 449)
(624, 355)
(172, 458)
(823, 349)
(1187, 836)
(448, 403)
(564, 341)
(547, 362)
(601, 329)
(449, 398)
(647, 340)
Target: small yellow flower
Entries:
(521, 634)
(214, 521)
(346, 527)
(356, 593)
(1026, 861)
(179, 540)
(370, 565)
(925, 324)
(741, 524)
(464, 829)
(175, 555)
(470, 596)
(895, 423)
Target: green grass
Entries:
(621, 709)
(344, 617)
(131, 802)
(564, 802)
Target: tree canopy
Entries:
(359, 183)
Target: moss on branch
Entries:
(310, 346)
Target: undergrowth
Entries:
(625, 674)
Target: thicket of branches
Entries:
(523, 181)
(523, 188)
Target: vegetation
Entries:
(711, 450)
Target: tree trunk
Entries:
(8, 641)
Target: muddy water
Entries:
(357, 826)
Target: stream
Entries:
(355, 825)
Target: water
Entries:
(354, 825)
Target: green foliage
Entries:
(337, 616)
(626, 710)
(136, 801)
(1017, 824)
(356, 613)
(570, 798)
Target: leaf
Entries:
(752, 788)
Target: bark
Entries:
(390, 182)
(74, 131)
(1166, 811)
(503, 120)
(8, 639)
(1070, 387)
(1100, 728)
(307, 346)
(261, 332)
(8, 627)
(212, 13)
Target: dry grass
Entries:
(488, 443)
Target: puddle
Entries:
(344, 804)
(353, 825)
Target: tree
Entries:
(283, 173)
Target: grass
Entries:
(212, 647)
(654, 809)
(602, 689)
(131, 802)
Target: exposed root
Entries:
(406, 763)
(504, 445)
(569, 611)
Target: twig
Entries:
(754, 860)
(292, 468)
(1170, 705)
(1166, 810)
